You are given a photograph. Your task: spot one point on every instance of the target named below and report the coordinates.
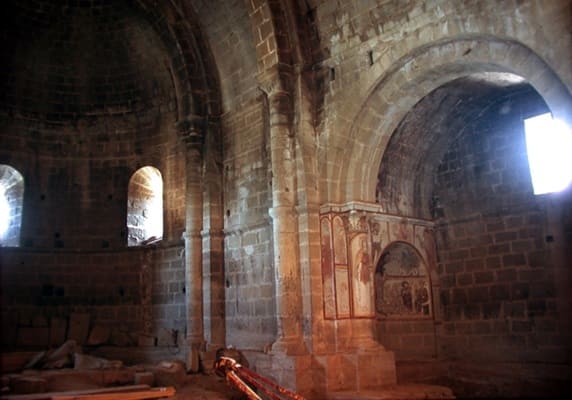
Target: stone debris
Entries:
(70, 355)
(84, 361)
(170, 373)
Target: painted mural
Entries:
(373, 267)
(328, 270)
(335, 268)
(402, 286)
(362, 277)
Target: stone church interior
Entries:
(343, 192)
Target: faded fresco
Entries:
(341, 268)
(335, 269)
(342, 292)
(365, 277)
(340, 246)
(362, 277)
(328, 270)
(402, 286)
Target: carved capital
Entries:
(191, 130)
(276, 80)
(356, 221)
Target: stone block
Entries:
(207, 360)
(79, 327)
(144, 378)
(100, 334)
(375, 368)
(340, 371)
(121, 338)
(28, 385)
(15, 361)
(58, 328)
(147, 341)
(85, 361)
(118, 376)
(170, 373)
(33, 337)
(39, 321)
(9, 331)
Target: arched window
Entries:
(11, 201)
(145, 207)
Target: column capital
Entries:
(277, 80)
(191, 130)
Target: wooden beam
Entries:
(51, 395)
(154, 393)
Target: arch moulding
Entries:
(414, 76)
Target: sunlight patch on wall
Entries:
(549, 148)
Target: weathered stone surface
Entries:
(98, 335)
(170, 373)
(144, 378)
(28, 384)
(79, 327)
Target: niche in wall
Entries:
(402, 285)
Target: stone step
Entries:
(408, 391)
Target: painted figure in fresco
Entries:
(364, 263)
(422, 299)
(328, 272)
(406, 296)
(363, 277)
(378, 287)
(375, 242)
(327, 266)
(340, 251)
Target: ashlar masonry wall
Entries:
(249, 270)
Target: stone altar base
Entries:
(313, 376)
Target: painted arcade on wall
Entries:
(376, 266)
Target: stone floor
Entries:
(88, 374)
(212, 387)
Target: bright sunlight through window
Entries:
(549, 148)
(4, 212)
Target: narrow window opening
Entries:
(548, 145)
(4, 212)
(145, 207)
(11, 203)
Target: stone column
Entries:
(213, 240)
(285, 226)
(193, 243)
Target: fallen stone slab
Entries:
(85, 361)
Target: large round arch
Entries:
(417, 74)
